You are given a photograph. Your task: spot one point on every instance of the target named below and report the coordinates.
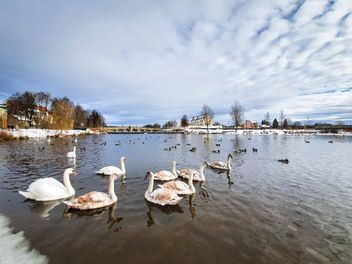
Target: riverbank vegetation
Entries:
(41, 110)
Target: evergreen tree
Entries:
(275, 123)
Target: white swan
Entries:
(113, 170)
(165, 175)
(72, 154)
(160, 196)
(197, 175)
(221, 165)
(95, 200)
(75, 140)
(180, 187)
(49, 189)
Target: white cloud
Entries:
(153, 61)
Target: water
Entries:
(263, 212)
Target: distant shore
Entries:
(45, 133)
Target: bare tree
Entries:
(237, 114)
(267, 118)
(208, 114)
(282, 118)
(81, 117)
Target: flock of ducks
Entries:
(167, 193)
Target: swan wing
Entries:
(108, 170)
(185, 173)
(164, 176)
(218, 164)
(47, 189)
(178, 187)
(163, 197)
(91, 200)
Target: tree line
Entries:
(237, 114)
(41, 110)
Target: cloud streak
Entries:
(151, 61)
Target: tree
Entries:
(297, 124)
(63, 113)
(282, 117)
(43, 99)
(95, 119)
(81, 117)
(170, 124)
(275, 123)
(208, 114)
(267, 118)
(22, 105)
(285, 124)
(237, 114)
(184, 121)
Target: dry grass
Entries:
(4, 136)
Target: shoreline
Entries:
(45, 133)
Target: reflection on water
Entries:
(263, 211)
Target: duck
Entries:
(180, 187)
(193, 149)
(160, 196)
(165, 175)
(286, 161)
(50, 189)
(254, 150)
(330, 141)
(71, 154)
(216, 151)
(197, 175)
(108, 170)
(221, 165)
(95, 200)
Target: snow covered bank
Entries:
(43, 133)
(15, 248)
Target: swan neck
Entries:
(112, 190)
(201, 171)
(190, 183)
(174, 169)
(67, 183)
(151, 183)
(123, 168)
(229, 163)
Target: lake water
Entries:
(263, 212)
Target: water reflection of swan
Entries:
(95, 200)
(113, 170)
(49, 189)
(192, 207)
(164, 209)
(112, 218)
(43, 208)
(160, 196)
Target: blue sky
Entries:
(149, 61)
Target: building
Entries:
(200, 121)
(3, 116)
(249, 124)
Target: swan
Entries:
(113, 170)
(95, 200)
(160, 196)
(197, 175)
(180, 187)
(50, 189)
(72, 154)
(165, 175)
(75, 140)
(221, 165)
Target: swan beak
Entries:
(147, 175)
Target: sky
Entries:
(140, 62)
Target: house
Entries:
(249, 124)
(200, 121)
(3, 116)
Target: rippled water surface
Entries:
(263, 212)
